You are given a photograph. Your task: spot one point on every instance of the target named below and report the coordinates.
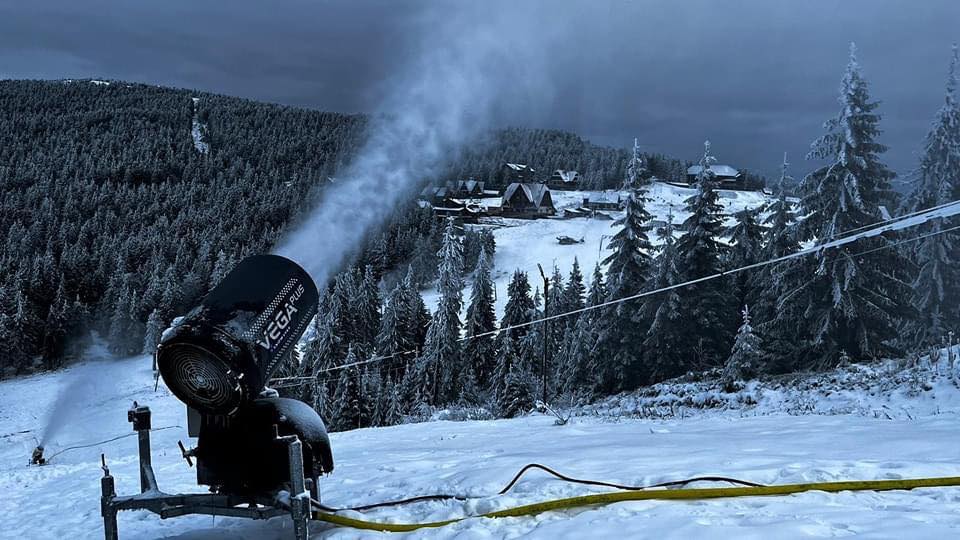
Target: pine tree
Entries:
(417, 315)
(746, 243)
(938, 177)
(442, 363)
(705, 305)
(507, 357)
(574, 363)
(598, 288)
(394, 411)
(519, 309)
(520, 305)
(517, 396)
(221, 267)
(55, 328)
(373, 404)
(575, 291)
(171, 301)
(471, 394)
(780, 240)
(663, 343)
(850, 300)
(152, 336)
(622, 325)
(555, 302)
(122, 334)
(365, 308)
(348, 408)
(391, 338)
(479, 352)
(936, 290)
(745, 359)
(636, 169)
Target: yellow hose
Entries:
(658, 494)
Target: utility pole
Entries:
(546, 331)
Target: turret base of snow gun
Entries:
(36, 458)
(295, 503)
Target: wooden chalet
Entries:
(525, 199)
(564, 180)
(603, 200)
(725, 175)
(435, 195)
(511, 173)
(469, 189)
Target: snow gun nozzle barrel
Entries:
(222, 353)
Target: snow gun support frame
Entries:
(150, 498)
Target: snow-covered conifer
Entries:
(936, 290)
(745, 359)
(850, 300)
(442, 363)
(706, 307)
(622, 326)
(663, 343)
(517, 396)
(479, 352)
(746, 243)
(636, 168)
(152, 335)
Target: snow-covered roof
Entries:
(611, 197)
(486, 202)
(724, 171)
(566, 176)
(519, 167)
(434, 191)
(534, 192)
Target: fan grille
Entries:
(200, 379)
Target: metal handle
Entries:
(186, 454)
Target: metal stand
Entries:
(150, 498)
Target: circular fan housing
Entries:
(201, 379)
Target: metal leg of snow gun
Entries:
(299, 496)
(165, 505)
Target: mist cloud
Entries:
(467, 67)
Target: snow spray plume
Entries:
(85, 382)
(467, 72)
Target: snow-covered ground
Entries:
(196, 131)
(522, 243)
(61, 500)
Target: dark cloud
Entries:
(756, 77)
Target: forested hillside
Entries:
(546, 150)
(114, 218)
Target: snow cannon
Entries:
(222, 353)
(218, 358)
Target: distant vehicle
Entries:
(568, 241)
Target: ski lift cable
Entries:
(906, 221)
(942, 211)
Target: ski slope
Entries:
(61, 500)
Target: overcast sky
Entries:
(755, 77)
